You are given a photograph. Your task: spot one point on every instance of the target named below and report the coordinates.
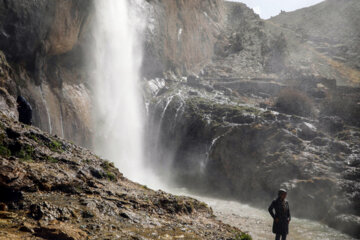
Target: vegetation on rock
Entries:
(294, 102)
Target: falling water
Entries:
(118, 108)
(46, 108)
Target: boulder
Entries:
(318, 141)
(348, 223)
(307, 131)
(193, 80)
(339, 147)
(331, 124)
(59, 230)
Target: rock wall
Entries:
(42, 43)
(181, 35)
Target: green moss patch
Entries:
(51, 159)
(110, 176)
(4, 151)
(26, 153)
(243, 236)
(54, 146)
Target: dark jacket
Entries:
(282, 212)
(25, 110)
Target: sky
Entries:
(269, 8)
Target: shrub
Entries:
(243, 236)
(292, 101)
(345, 107)
(4, 151)
(25, 153)
(111, 176)
(54, 146)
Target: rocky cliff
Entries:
(42, 54)
(45, 44)
(180, 35)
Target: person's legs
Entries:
(277, 237)
(283, 237)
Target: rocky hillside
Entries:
(241, 49)
(324, 39)
(52, 189)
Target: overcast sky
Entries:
(269, 8)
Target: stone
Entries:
(348, 223)
(307, 131)
(193, 80)
(331, 124)
(318, 141)
(27, 227)
(59, 230)
(337, 146)
(3, 207)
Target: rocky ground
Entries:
(52, 189)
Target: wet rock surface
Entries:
(52, 189)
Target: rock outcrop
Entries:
(52, 189)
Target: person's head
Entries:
(20, 99)
(282, 194)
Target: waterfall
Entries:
(118, 108)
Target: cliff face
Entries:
(40, 40)
(181, 35)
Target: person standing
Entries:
(25, 110)
(281, 215)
